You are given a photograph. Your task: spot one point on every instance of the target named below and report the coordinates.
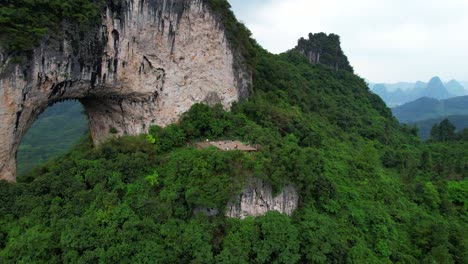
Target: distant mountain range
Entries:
(404, 92)
(425, 112)
(429, 108)
(465, 85)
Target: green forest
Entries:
(370, 190)
(23, 23)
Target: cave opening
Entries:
(55, 132)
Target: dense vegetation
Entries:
(446, 131)
(424, 127)
(324, 49)
(370, 191)
(23, 23)
(53, 134)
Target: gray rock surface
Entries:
(147, 63)
(257, 199)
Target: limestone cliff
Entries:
(257, 199)
(324, 49)
(147, 63)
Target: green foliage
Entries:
(324, 49)
(445, 131)
(166, 139)
(370, 191)
(458, 191)
(425, 126)
(280, 242)
(113, 130)
(204, 178)
(153, 179)
(204, 121)
(23, 23)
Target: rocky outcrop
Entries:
(257, 199)
(147, 63)
(324, 49)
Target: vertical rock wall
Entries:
(147, 63)
(257, 199)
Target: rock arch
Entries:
(145, 65)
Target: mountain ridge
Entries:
(429, 108)
(403, 92)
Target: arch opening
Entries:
(50, 128)
(54, 133)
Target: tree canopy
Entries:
(23, 23)
(370, 190)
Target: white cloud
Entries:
(385, 40)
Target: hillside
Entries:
(369, 190)
(427, 108)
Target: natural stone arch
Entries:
(145, 65)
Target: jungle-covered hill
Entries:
(370, 190)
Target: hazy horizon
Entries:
(445, 81)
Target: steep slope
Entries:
(455, 88)
(436, 89)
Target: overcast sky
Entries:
(385, 40)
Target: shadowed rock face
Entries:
(148, 63)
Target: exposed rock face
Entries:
(257, 199)
(148, 63)
(324, 49)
